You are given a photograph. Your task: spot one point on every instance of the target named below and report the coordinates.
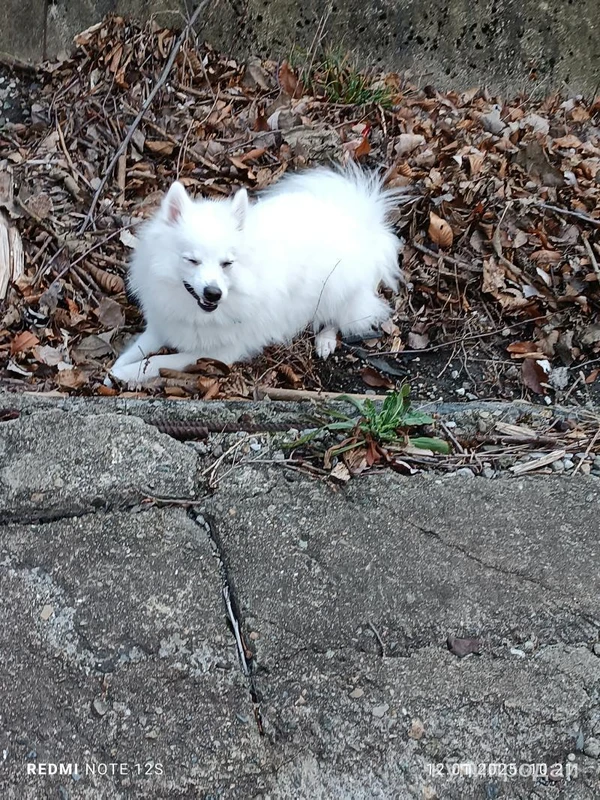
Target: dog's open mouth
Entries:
(205, 305)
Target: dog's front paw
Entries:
(135, 374)
(325, 343)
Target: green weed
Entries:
(336, 77)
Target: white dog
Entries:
(222, 279)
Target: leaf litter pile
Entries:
(502, 223)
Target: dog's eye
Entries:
(226, 264)
(193, 261)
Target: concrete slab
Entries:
(56, 464)
(115, 648)
(114, 651)
(350, 595)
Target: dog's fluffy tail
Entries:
(364, 198)
(347, 186)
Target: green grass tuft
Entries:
(336, 77)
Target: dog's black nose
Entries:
(212, 294)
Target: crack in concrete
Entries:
(465, 552)
(509, 573)
(246, 655)
(144, 503)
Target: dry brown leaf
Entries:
(72, 378)
(407, 142)
(51, 356)
(532, 375)
(363, 149)
(107, 391)
(253, 154)
(23, 342)
(289, 82)
(40, 205)
(568, 141)
(545, 256)
(160, 148)
(210, 367)
(356, 460)
(521, 347)
(290, 377)
(373, 378)
(476, 162)
(341, 472)
(579, 114)
(440, 231)
(494, 277)
(90, 348)
(110, 313)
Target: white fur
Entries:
(310, 251)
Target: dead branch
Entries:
(567, 212)
(448, 259)
(305, 394)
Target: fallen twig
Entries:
(591, 254)
(468, 337)
(304, 394)
(448, 259)
(12, 62)
(567, 212)
(587, 452)
(148, 102)
(543, 461)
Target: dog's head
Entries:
(206, 236)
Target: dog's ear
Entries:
(174, 202)
(239, 207)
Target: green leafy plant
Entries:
(384, 425)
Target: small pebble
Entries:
(379, 711)
(416, 730)
(100, 706)
(461, 392)
(558, 466)
(592, 747)
(488, 472)
(568, 464)
(596, 649)
(465, 472)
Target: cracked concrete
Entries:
(117, 648)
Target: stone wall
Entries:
(507, 45)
